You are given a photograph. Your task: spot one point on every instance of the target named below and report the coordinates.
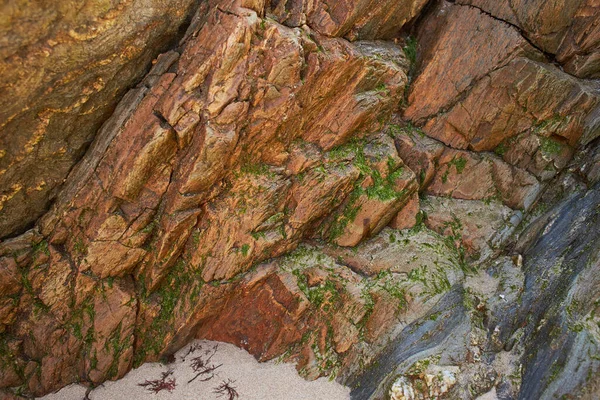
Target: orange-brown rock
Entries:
(386, 188)
(10, 282)
(509, 88)
(383, 316)
(375, 213)
(63, 68)
(448, 32)
(323, 323)
(264, 317)
(566, 28)
(186, 183)
(407, 217)
(264, 129)
(7, 395)
(351, 19)
(471, 176)
(579, 51)
(541, 156)
(420, 153)
(111, 353)
(192, 181)
(523, 95)
(463, 175)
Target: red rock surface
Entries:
(407, 217)
(188, 178)
(470, 176)
(509, 88)
(567, 29)
(269, 127)
(354, 20)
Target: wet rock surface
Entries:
(286, 179)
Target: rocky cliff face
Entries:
(360, 187)
(63, 68)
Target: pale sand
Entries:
(253, 380)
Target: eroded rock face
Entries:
(474, 224)
(567, 29)
(333, 318)
(64, 66)
(434, 383)
(509, 340)
(286, 125)
(510, 88)
(193, 177)
(355, 20)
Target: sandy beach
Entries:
(214, 366)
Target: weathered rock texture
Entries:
(218, 160)
(355, 20)
(284, 125)
(509, 88)
(525, 327)
(63, 67)
(567, 30)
